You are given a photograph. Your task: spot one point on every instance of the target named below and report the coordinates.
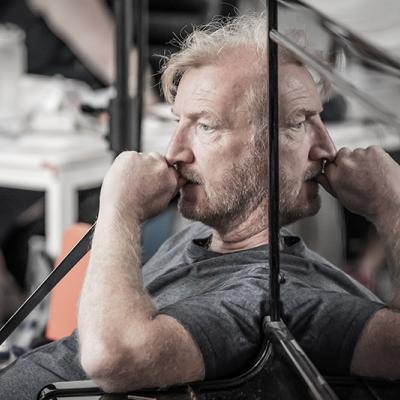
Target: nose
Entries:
(322, 146)
(180, 147)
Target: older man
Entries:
(194, 311)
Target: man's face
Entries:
(214, 147)
(304, 143)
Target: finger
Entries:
(342, 153)
(174, 172)
(181, 181)
(324, 182)
(157, 156)
(359, 152)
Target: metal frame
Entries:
(122, 104)
(274, 328)
(273, 124)
(127, 112)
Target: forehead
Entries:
(219, 85)
(297, 89)
(222, 87)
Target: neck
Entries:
(247, 234)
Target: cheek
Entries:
(294, 154)
(212, 166)
(293, 168)
(215, 159)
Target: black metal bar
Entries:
(123, 26)
(142, 17)
(47, 285)
(298, 360)
(273, 207)
(121, 137)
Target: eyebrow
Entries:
(304, 111)
(199, 114)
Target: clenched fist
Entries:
(138, 185)
(366, 181)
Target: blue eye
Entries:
(204, 127)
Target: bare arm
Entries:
(124, 343)
(367, 182)
(87, 27)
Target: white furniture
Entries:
(61, 163)
(59, 166)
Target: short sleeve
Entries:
(226, 325)
(327, 325)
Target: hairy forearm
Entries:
(113, 297)
(388, 227)
(125, 344)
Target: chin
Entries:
(191, 210)
(288, 215)
(204, 212)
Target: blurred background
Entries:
(57, 63)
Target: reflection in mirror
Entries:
(360, 110)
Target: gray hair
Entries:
(208, 43)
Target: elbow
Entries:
(106, 364)
(97, 361)
(103, 371)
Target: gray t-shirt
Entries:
(221, 300)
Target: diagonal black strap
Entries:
(69, 261)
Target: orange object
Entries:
(65, 296)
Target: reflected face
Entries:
(304, 143)
(215, 149)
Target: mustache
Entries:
(312, 173)
(194, 177)
(190, 176)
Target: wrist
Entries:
(388, 213)
(117, 215)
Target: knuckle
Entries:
(344, 150)
(374, 149)
(358, 151)
(343, 153)
(126, 156)
(129, 154)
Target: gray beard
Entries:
(290, 207)
(243, 189)
(238, 194)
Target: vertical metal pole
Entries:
(121, 106)
(273, 207)
(142, 19)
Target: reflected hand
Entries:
(366, 181)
